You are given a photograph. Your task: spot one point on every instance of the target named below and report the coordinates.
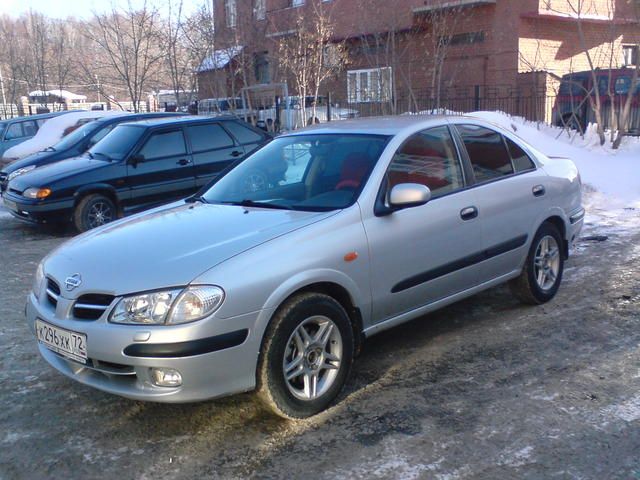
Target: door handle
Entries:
(468, 213)
(183, 162)
(236, 153)
(538, 190)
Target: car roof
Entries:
(155, 122)
(391, 125)
(137, 116)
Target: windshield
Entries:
(117, 144)
(74, 137)
(302, 172)
(2, 128)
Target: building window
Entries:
(370, 85)
(260, 9)
(261, 66)
(297, 3)
(630, 54)
(231, 13)
(462, 38)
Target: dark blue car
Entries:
(73, 145)
(136, 166)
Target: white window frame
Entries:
(260, 9)
(634, 52)
(231, 13)
(297, 3)
(370, 93)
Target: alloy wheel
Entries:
(312, 358)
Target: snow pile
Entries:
(615, 174)
(52, 131)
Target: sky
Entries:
(80, 8)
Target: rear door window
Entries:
(29, 128)
(163, 145)
(243, 134)
(206, 137)
(487, 152)
(428, 158)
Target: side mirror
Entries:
(136, 159)
(406, 195)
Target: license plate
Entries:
(9, 204)
(70, 344)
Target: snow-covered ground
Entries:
(611, 178)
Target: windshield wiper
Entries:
(253, 203)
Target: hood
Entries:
(34, 159)
(47, 175)
(168, 247)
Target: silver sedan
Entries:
(271, 278)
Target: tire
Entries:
(303, 357)
(542, 273)
(93, 211)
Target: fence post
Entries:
(476, 103)
(329, 107)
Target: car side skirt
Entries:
(405, 317)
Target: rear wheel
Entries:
(94, 211)
(542, 274)
(306, 356)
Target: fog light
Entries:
(166, 377)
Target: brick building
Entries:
(491, 49)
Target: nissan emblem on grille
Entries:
(73, 281)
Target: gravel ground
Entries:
(486, 388)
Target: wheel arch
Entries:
(560, 224)
(102, 189)
(336, 288)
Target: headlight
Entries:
(168, 307)
(20, 171)
(38, 281)
(38, 193)
(195, 303)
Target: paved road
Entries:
(484, 389)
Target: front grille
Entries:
(17, 192)
(91, 306)
(53, 292)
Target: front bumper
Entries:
(37, 211)
(223, 368)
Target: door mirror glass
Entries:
(407, 195)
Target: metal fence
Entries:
(8, 110)
(532, 104)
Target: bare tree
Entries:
(625, 114)
(308, 54)
(127, 42)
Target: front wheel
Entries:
(306, 356)
(541, 276)
(94, 211)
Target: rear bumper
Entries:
(576, 222)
